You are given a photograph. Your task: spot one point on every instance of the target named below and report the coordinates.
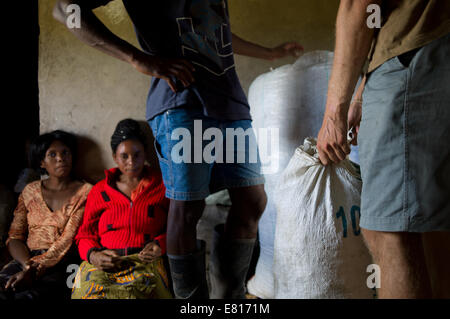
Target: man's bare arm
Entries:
(353, 42)
(243, 47)
(95, 34)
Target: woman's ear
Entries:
(43, 170)
(114, 157)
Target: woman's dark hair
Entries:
(40, 145)
(127, 129)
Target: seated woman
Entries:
(123, 234)
(45, 223)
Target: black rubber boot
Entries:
(189, 274)
(229, 263)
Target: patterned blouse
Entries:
(41, 228)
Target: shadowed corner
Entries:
(90, 163)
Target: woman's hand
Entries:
(21, 280)
(105, 260)
(150, 252)
(38, 267)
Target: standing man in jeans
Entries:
(404, 136)
(188, 50)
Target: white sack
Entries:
(291, 99)
(315, 256)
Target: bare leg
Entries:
(232, 246)
(186, 257)
(401, 258)
(437, 252)
(248, 204)
(182, 226)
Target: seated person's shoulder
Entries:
(79, 184)
(82, 186)
(154, 174)
(156, 182)
(32, 188)
(97, 187)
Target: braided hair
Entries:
(127, 129)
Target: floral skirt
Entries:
(137, 280)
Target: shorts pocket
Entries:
(164, 165)
(405, 59)
(158, 151)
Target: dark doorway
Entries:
(19, 112)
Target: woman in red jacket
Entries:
(123, 233)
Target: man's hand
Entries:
(354, 118)
(165, 69)
(353, 41)
(355, 111)
(150, 252)
(105, 260)
(332, 142)
(243, 47)
(286, 49)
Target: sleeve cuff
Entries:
(11, 238)
(161, 242)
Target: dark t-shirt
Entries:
(197, 31)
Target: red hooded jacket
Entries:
(113, 221)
